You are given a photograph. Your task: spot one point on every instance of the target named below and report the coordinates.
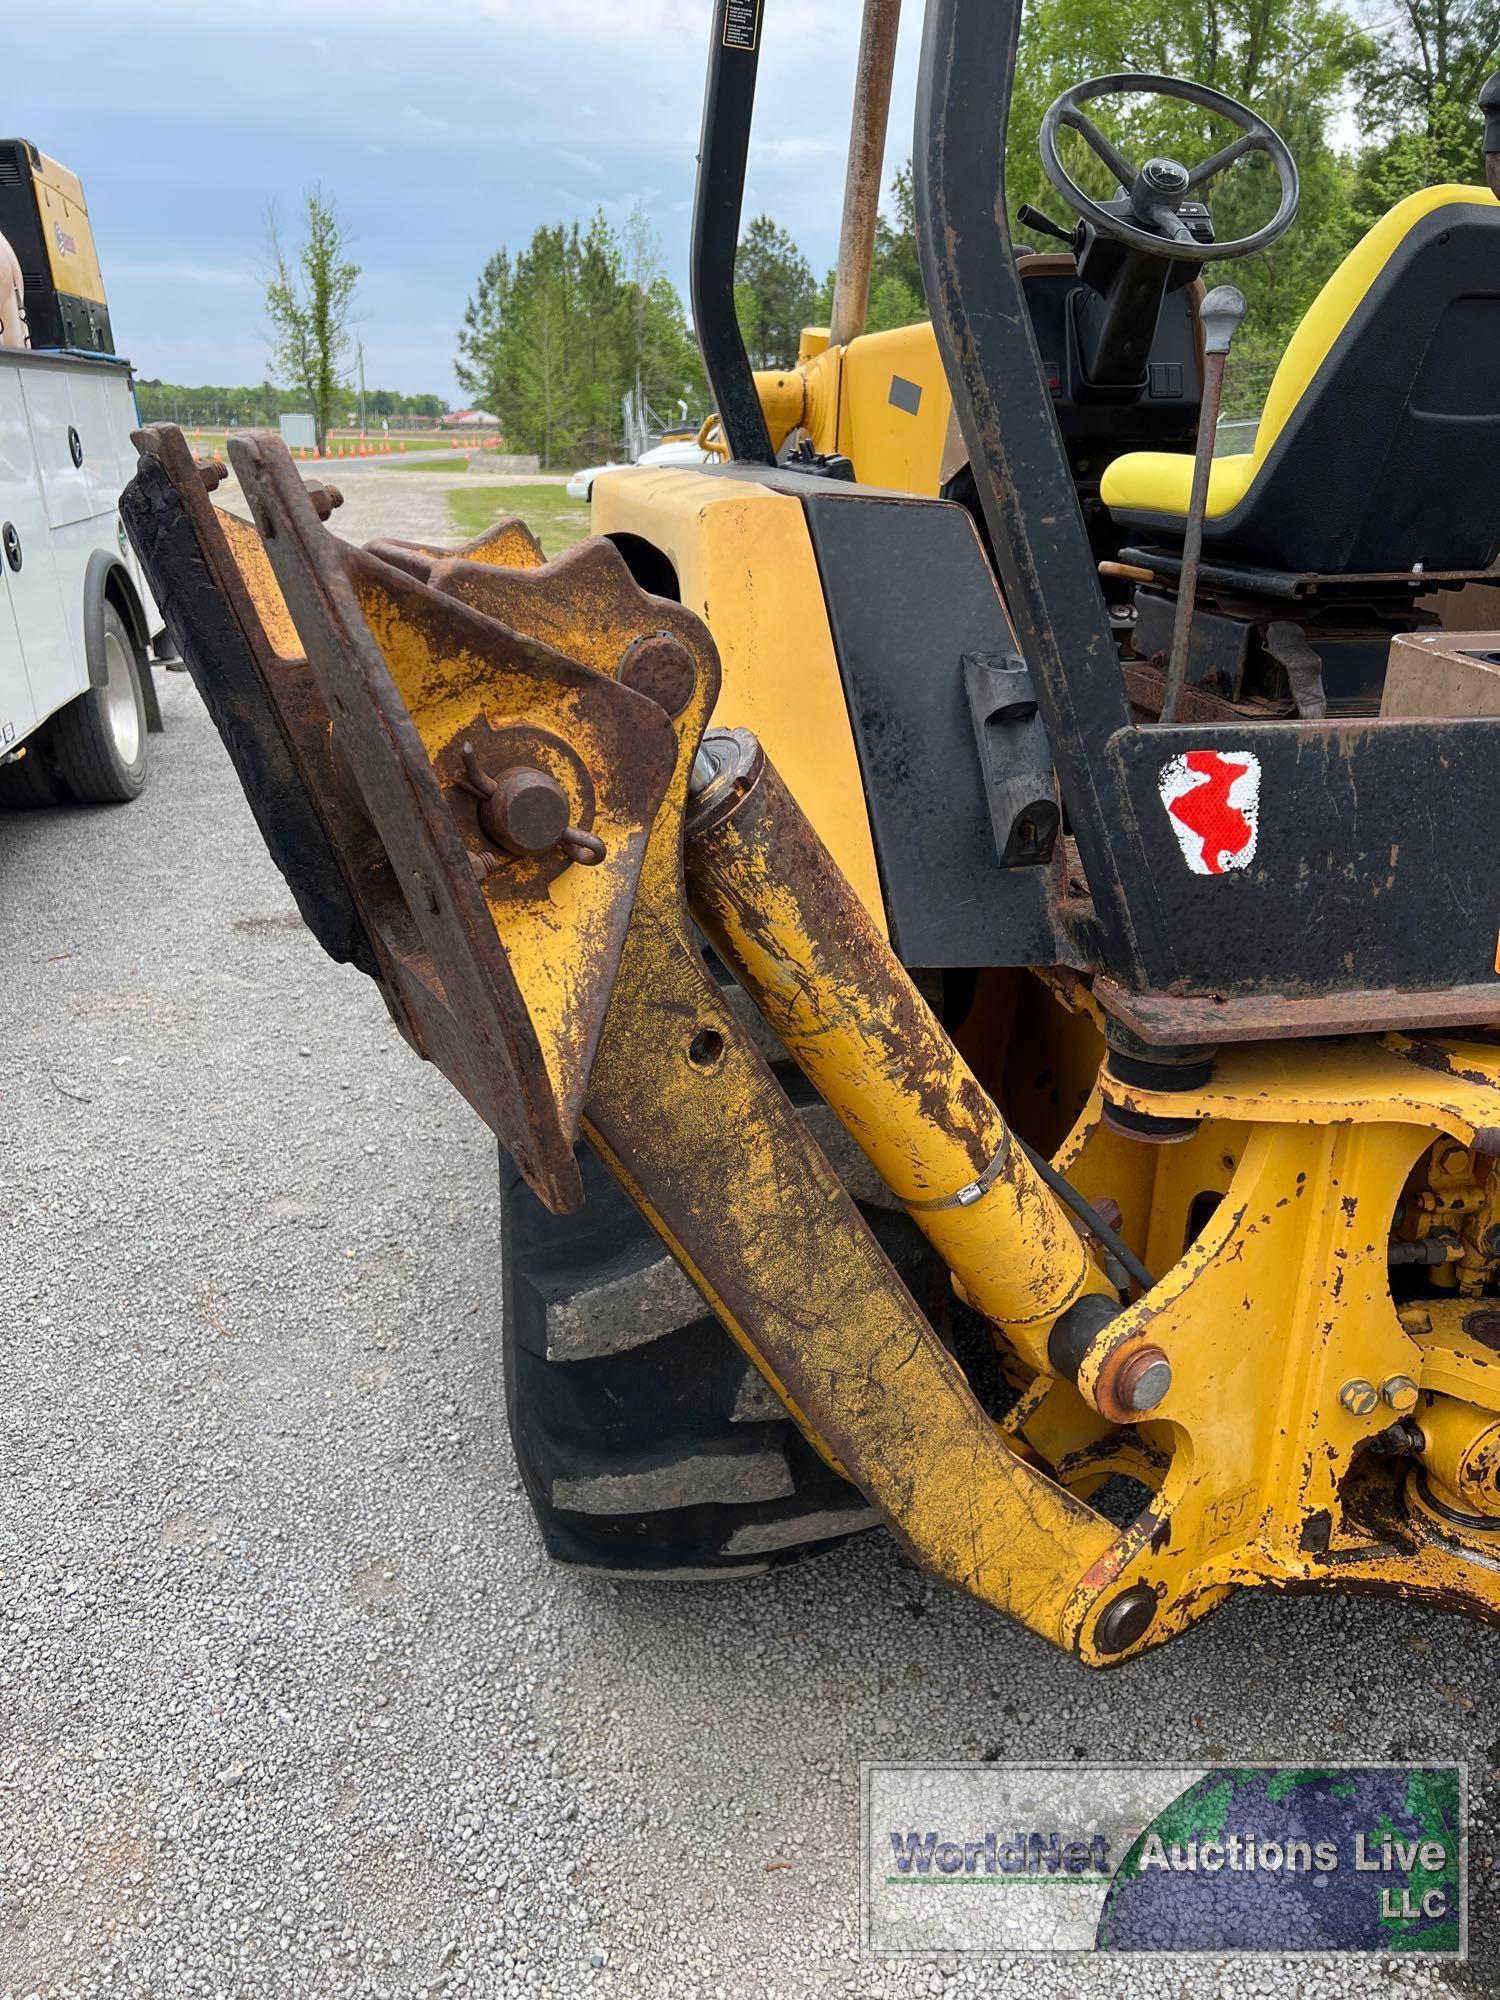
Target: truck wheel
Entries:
(33, 780)
(647, 1443)
(100, 738)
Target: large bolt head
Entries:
(1125, 1618)
(1399, 1391)
(526, 813)
(661, 668)
(1144, 1379)
(1359, 1397)
(1132, 1383)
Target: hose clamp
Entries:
(974, 1190)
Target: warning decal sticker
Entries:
(1213, 803)
(741, 19)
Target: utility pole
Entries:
(360, 347)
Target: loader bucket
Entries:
(390, 739)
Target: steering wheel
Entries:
(1155, 189)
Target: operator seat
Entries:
(1379, 444)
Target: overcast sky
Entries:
(441, 131)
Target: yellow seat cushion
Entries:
(1161, 482)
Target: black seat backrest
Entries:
(1391, 455)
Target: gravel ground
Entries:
(290, 1702)
(411, 506)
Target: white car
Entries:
(678, 451)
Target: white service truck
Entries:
(78, 626)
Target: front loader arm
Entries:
(677, 1098)
(483, 774)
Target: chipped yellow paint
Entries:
(1363, 1079)
(1076, 1443)
(745, 566)
(554, 926)
(1454, 1363)
(1461, 1451)
(848, 1013)
(712, 1151)
(254, 566)
(508, 543)
(1260, 1474)
(1283, 1297)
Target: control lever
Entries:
(1033, 218)
(1219, 315)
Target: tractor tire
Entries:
(100, 739)
(648, 1445)
(33, 780)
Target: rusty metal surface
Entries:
(498, 749)
(229, 624)
(862, 181)
(1164, 1019)
(585, 602)
(511, 991)
(403, 673)
(1146, 686)
(507, 542)
(343, 754)
(768, 894)
(685, 1111)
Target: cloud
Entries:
(423, 121)
(434, 157)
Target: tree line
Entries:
(206, 407)
(554, 337)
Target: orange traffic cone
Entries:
(403, 444)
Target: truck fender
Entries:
(108, 581)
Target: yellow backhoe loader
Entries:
(972, 919)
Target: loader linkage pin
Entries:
(526, 812)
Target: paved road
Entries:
(290, 1702)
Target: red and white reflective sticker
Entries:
(1213, 803)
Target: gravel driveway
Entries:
(407, 506)
(289, 1701)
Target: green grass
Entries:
(396, 461)
(555, 520)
